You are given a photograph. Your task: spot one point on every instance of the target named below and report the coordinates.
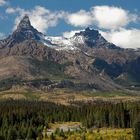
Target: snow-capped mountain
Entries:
(87, 38)
(86, 57)
(25, 31)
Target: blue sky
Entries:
(55, 17)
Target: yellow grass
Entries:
(99, 134)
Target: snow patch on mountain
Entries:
(59, 43)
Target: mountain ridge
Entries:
(86, 57)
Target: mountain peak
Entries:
(92, 38)
(88, 32)
(88, 29)
(26, 18)
(25, 23)
(24, 31)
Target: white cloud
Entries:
(70, 33)
(125, 38)
(40, 17)
(10, 10)
(107, 17)
(81, 18)
(112, 17)
(2, 2)
(2, 36)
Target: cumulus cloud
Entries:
(112, 17)
(107, 17)
(70, 33)
(2, 2)
(81, 18)
(11, 10)
(125, 38)
(40, 17)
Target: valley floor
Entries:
(64, 96)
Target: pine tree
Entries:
(52, 137)
(136, 130)
(11, 134)
(83, 137)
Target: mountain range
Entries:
(85, 61)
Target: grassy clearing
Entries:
(57, 125)
(20, 95)
(31, 95)
(65, 96)
(110, 94)
(95, 134)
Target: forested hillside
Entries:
(29, 119)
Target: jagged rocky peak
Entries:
(24, 31)
(24, 23)
(91, 37)
(89, 33)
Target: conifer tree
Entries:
(136, 129)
